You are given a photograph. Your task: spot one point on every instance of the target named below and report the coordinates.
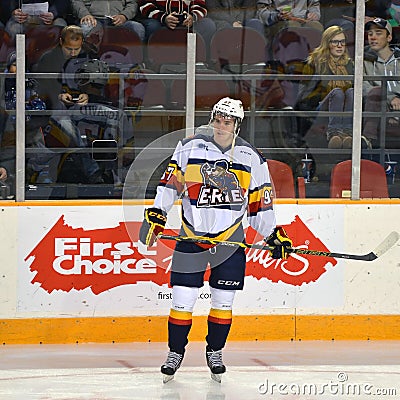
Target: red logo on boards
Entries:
(298, 268)
(100, 259)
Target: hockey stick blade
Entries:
(383, 247)
(387, 244)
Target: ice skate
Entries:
(172, 363)
(214, 362)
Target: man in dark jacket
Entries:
(56, 90)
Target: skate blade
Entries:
(216, 377)
(167, 378)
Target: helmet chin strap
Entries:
(231, 152)
(235, 135)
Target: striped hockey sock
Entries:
(219, 323)
(179, 324)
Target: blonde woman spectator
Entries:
(335, 95)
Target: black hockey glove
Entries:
(281, 242)
(152, 225)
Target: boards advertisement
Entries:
(88, 261)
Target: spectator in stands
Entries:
(343, 12)
(380, 59)
(97, 122)
(113, 12)
(287, 22)
(176, 14)
(338, 12)
(282, 14)
(71, 45)
(20, 20)
(330, 58)
(234, 14)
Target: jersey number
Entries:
(267, 197)
(168, 172)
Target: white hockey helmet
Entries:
(231, 108)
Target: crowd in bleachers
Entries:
(237, 37)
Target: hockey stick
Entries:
(383, 247)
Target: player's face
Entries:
(378, 38)
(223, 130)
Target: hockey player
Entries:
(212, 207)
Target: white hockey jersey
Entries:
(216, 193)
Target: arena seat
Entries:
(292, 46)
(39, 39)
(373, 182)
(207, 92)
(268, 93)
(125, 38)
(6, 46)
(168, 47)
(283, 181)
(235, 50)
(140, 90)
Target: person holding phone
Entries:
(176, 15)
(93, 125)
(63, 92)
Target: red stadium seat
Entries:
(6, 46)
(139, 90)
(237, 49)
(122, 37)
(282, 180)
(373, 182)
(268, 93)
(207, 92)
(39, 39)
(166, 46)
